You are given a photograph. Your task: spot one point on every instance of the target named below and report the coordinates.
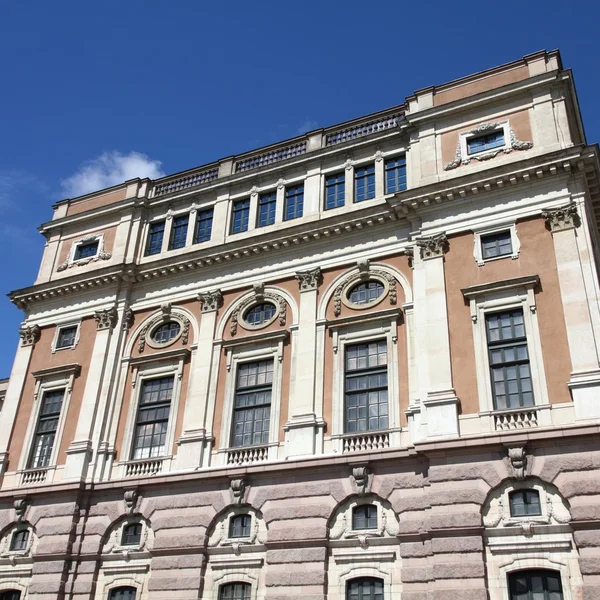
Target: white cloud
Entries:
(308, 125)
(110, 168)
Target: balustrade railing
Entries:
(362, 129)
(520, 419)
(143, 468)
(33, 476)
(270, 157)
(247, 456)
(186, 181)
(366, 441)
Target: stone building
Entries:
(360, 364)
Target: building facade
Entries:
(360, 364)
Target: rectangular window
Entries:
(153, 418)
(203, 229)
(132, 534)
(525, 503)
(252, 408)
(488, 141)
(156, 231)
(395, 175)
(496, 244)
(335, 190)
(45, 433)
(239, 526)
(239, 215)
(509, 360)
(66, 337)
(364, 516)
(19, 540)
(294, 202)
(266, 209)
(87, 250)
(366, 393)
(364, 183)
(179, 231)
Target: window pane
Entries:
(19, 540)
(203, 230)
(87, 250)
(259, 314)
(132, 534)
(364, 517)
(535, 585)
(239, 526)
(43, 442)
(294, 202)
(166, 332)
(365, 588)
(66, 337)
(364, 183)
(266, 209)
(335, 190)
(122, 593)
(496, 244)
(487, 141)
(179, 230)
(240, 215)
(395, 175)
(156, 232)
(10, 595)
(235, 591)
(367, 292)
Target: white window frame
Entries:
(153, 367)
(468, 135)
(499, 228)
(243, 570)
(6, 552)
(357, 330)
(48, 380)
(354, 572)
(269, 346)
(86, 240)
(498, 297)
(120, 574)
(57, 330)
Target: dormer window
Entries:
(525, 503)
(486, 141)
(86, 250)
(364, 516)
(239, 526)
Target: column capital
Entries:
(211, 301)
(30, 335)
(433, 246)
(309, 280)
(106, 319)
(561, 218)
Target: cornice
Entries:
(70, 369)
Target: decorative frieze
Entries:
(309, 280)
(433, 246)
(562, 218)
(30, 335)
(106, 319)
(211, 301)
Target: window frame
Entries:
(224, 584)
(271, 207)
(361, 597)
(355, 178)
(237, 201)
(288, 188)
(230, 525)
(389, 159)
(338, 174)
(88, 239)
(524, 491)
(120, 585)
(59, 326)
(198, 220)
(520, 572)
(186, 226)
(480, 232)
(157, 221)
(366, 505)
(469, 135)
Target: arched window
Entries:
(365, 588)
(535, 585)
(10, 595)
(239, 526)
(132, 534)
(364, 516)
(259, 314)
(235, 591)
(525, 503)
(122, 593)
(365, 293)
(164, 333)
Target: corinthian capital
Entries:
(29, 335)
(564, 217)
(309, 280)
(211, 301)
(433, 246)
(106, 319)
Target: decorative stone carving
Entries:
(100, 255)
(433, 246)
(146, 332)
(281, 184)
(130, 497)
(378, 156)
(128, 319)
(29, 335)
(165, 309)
(211, 301)
(518, 461)
(365, 272)
(309, 280)
(363, 268)
(259, 291)
(20, 506)
(362, 480)
(513, 144)
(348, 164)
(564, 217)
(238, 491)
(259, 295)
(220, 535)
(169, 215)
(106, 319)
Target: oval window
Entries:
(365, 293)
(166, 332)
(259, 314)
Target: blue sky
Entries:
(97, 92)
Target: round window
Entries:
(259, 314)
(166, 332)
(365, 293)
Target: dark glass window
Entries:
(395, 175)
(235, 591)
(535, 585)
(266, 209)
(19, 540)
(153, 418)
(496, 244)
(122, 593)
(156, 231)
(364, 517)
(364, 183)
(87, 250)
(166, 332)
(261, 313)
(366, 387)
(132, 534)
(240, 214)
(365, 588)
(525, 503)
(45, 433)
(10, 595)
(203, 229)
(66, 337)
(252, 411)
(335, 190)
(487, 141)
(179, 231)
(239, 526)
(367, 292)
(294, 202)
(509, 360)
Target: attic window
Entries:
(485, 142)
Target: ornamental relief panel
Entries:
(164, 330)
(275, 311)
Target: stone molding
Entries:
(309, 280)
(211, 301)
(518, 461)
(128, 319)
(100, 255)
(237, 488)
(433, 246)
(165, 316)
(30, 335)
(107, 318)
(258, 295)
(362, 480)
(562, 218)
